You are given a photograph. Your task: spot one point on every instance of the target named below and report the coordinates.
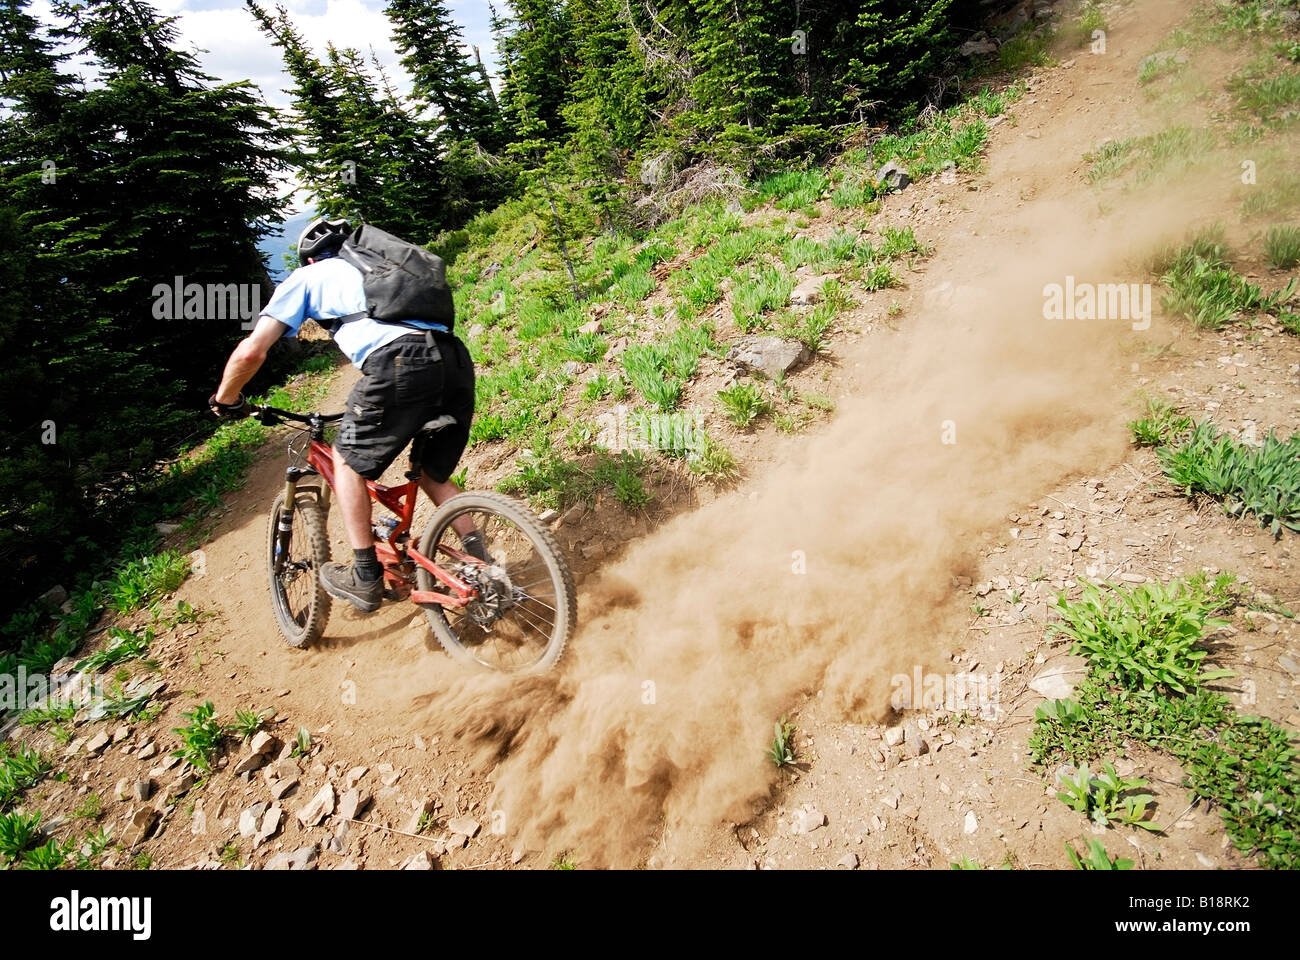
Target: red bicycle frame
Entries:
(395, 552)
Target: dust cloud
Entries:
(704, 634)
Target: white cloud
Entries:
(231, 47)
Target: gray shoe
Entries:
(341, 582)
(473, 544)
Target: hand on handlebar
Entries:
(230, 411)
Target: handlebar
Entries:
(270, 416)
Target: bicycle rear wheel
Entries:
(301, 605)
(527, 604)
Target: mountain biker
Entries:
(409, 377)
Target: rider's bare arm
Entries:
(247, 358)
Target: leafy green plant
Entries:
(1097, 858)
(139, 582)
(767, 289)
(1263, 480)
(1244, 766)
(51, 856)
(91, 848)
(126, 646)
(247, 723)
(712, 461)
(1268, 96)
(794, 189)
(586, 347)
(200, 737)
(18, 832)
(743, 403)
(853, 192)
(819, 320)
(1106, 797)
(1064, 728)
(898, 241)
(1160, 425)
(564, 861)
(42, 715)
(186, 613)
(1146, 638)
(782, 752)
(645, 367)
(90, 808)
(19, 771)
(880, 276)
(301, 743)
(1282, 247)
(1204, 289)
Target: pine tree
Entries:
(434, 55)
(736, 81)
(887, 55)
(536, 46)
(147, 173)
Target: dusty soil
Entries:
(899, 542)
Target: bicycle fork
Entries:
(284, 522)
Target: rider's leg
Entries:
(440, 492)
(354, 502)
(471, 540)
(361, 582)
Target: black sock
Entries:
(366, 564)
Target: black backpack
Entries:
(402, 281)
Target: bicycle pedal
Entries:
(390, 594)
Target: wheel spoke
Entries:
(519, 627)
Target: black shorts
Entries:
(404, 385)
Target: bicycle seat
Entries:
(433, 426)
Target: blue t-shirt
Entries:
(326, 290)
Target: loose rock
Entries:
(770, 356)
(352, 803)
(466, 826)
(893, 177)
(141, 823)
(321, 806)
(270, 824)
(304, 858)
(1056, 682)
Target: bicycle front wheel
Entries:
(294, 561)
(526, 606)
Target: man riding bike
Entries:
(409, 377)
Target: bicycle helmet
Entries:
(322, 235)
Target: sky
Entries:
(230, 46)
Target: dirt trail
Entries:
(825, 574)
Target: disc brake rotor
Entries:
(496, 594)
